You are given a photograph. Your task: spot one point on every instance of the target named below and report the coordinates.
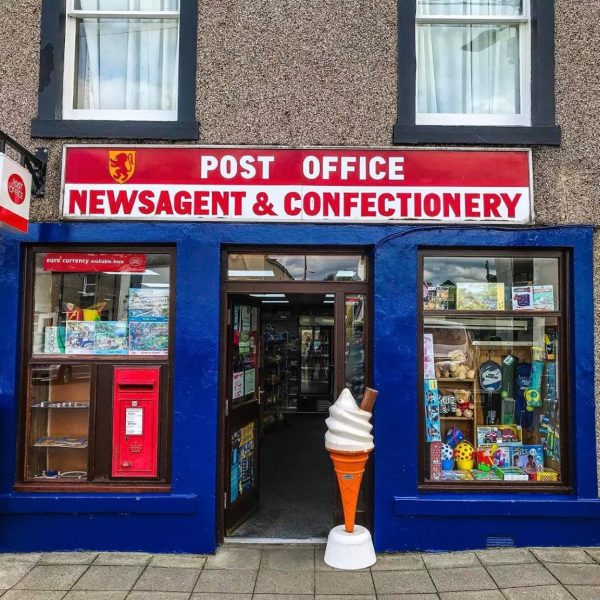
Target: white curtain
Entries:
(127, 64)
(468, 69)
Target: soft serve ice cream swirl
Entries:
(349, 429)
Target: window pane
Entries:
(296, 267)
(470, 7)
(488, 283)
(491, 399)
(354, 311)
(59, 402)
(101, 304)
(126, 64)
(133, 5)
(468, 69)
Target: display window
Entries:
(494, 405)
(96, 376)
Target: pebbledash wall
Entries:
(298, 74)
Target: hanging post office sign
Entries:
(188, 183)
(15, 194)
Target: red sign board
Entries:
(81, 262)
(15, 193)
(296, 185)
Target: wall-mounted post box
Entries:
(136, 395)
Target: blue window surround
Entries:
(542, 129)
(49, 122)
(185, 519)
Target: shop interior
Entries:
(296, 497)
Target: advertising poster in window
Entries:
(238, 385)
(148, 321)
(80, 337)
(242, 462)
(111, 337)
(249, 382)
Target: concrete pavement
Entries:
(242, 572)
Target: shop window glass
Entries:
(301, 267)
(492, 403)
(354, 327)
(101, 304)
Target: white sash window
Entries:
(121, 60)
(473, 62)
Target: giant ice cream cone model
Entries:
(349, 442)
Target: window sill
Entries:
(441, 134)
(91, 488)
(137, 130)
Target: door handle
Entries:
(259, 395)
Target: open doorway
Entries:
(290, 349)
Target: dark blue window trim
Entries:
(542, 130)
(49, 123)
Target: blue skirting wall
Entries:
(405, 519)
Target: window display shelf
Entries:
(65, 405)
(450, 418)
(60, 442)
(501, 343)
(455, 380)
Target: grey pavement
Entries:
(297, 572)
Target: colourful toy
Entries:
(533, 394)
(485, 458)
(464, 455)
(454, 436)
(447, 460)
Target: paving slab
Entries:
(345, 583)
(86, 595)
(185, 561)
(33, 595)
(320, 564)
(226, 582)
(585, 592)
(450, 560)
(479, 595)
(466, 579)
(406, 582)
(124, 559)
(211, 596)
(280, 559)
(67, 558)
(333, 597)
(576, 574)
(285, 597)
(173, 579)
(12, 572)
(398, 562)
(407, 597)
(505, 556)
(562, 555)
(20, 557)
(52, 577)
(594, 552)
(242, 559)
(542, 592)
(158, 596)
(285, 582)
(509, 576)
(109, 579)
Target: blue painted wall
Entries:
(184, 520)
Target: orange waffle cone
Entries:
(349, 468)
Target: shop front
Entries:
(171, 349)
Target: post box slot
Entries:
(142, 387)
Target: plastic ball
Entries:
(464, 451)
(454, 437)
(446, 452)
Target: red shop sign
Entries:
(81, 262)
(263, 184)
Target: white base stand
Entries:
(350, 551)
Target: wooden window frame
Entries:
(100, 426)
(565, 486)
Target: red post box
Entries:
(135, 422)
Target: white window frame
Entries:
(68, 98)
(448, 119)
